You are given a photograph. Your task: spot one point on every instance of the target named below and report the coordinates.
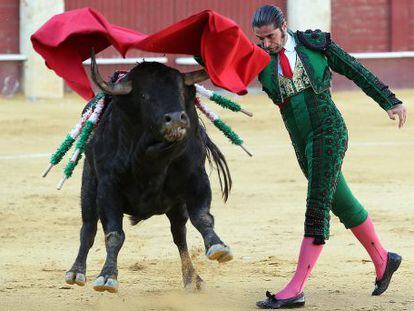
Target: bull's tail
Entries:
(216, 158)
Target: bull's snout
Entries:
(176, 117)
(175, 125)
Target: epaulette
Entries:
(314, 39)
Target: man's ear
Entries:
(284, 26)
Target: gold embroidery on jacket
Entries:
(297, 83)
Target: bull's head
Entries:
(158, 95)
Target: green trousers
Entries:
(320, 139)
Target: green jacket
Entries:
(319, 55)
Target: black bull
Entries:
(147, 158)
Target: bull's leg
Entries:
(110, 212)
(77, 274)
(178, 218)
(198, 207)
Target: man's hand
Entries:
(400, 111)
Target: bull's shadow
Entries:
(147, 158)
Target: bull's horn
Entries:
(193, 77)
(120, 88)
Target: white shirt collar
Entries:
(290, 43)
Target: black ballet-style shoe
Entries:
(393, 262)
(272, 303)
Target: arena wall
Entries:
(366, 27)
(10, 66)
(379, 26)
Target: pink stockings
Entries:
(366, 234)
(309, 254)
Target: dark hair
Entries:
(268, 15)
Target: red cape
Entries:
(232, 61)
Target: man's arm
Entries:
(343, 63)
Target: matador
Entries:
(298, 80)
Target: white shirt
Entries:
(290, 52)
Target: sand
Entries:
(262, 221)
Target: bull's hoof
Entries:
(219, 252)
(102, 284)
(196, 284)
(77, 278)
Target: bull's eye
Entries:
(143, 96)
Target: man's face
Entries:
(273, 39)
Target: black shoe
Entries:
(393, 262)
(272, 303)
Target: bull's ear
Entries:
(121, 88)
(194, 77)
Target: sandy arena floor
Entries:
(262, 222)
